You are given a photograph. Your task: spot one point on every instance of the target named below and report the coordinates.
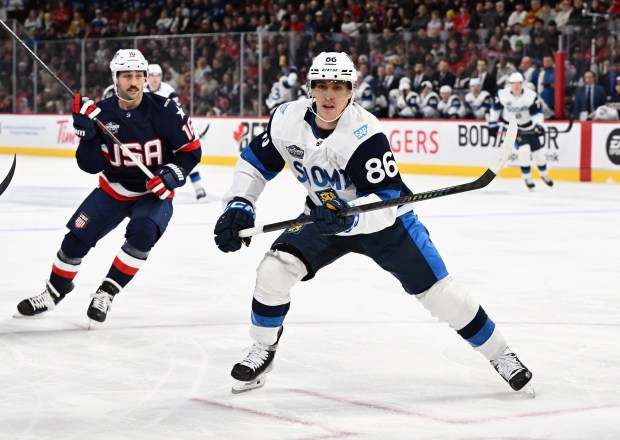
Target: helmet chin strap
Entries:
(313, 101)
(126, 100)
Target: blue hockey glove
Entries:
(239, 214)
(326, 220)
(493, 129)
(84, 113)
(166, 179)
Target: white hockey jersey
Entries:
(478, 105)
(524, 109)
(165, 90)
(365, 95)
(281, 91)
(403, 105)
(428, 105)
(354, 162)
(452, 108)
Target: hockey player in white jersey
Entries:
(365, 95)
(283, 90)
(521, 104)
(161, 88)
(341, 155)
(403, 101)
(429, 101)
(477, 101)
(450, 106)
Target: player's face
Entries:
(130, 84)
(516, 88)
(154, 81)
(332, 97)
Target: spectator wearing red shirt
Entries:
(61, 16)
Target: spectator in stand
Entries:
(489, 16)
(517, 35)
(564, 14)
(476, 18)
(462, 20)
(503, 70)
(99, 24)
(588, 97)
(488, 81)
(34, 21)
(443, 76)
(420, 21)
(532, 14)
(546, 84)
(76, 26)
(614, 97)
(349, 26)
(419, 76)
(449, 23)
(435, 25)
(61, 15)
(548, 14)
(527, 68)
(502, 15)
(518, 15)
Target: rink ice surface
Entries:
(359, 358)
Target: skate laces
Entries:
(101, 301)
(256, 357)
(43, 301)
(507, 365)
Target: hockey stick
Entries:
(100, 124)
(5, 183)
(480, 182)
(205, 131)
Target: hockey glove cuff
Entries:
(239, 214)
(84, 113)
(493, 129)
(166, 179)
(539, 130)
(328, 223)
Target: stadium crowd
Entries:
(404, 50)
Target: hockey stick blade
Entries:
(480, 182)
(7, 180)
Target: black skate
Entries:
(43, 302)
(251, 372)
(514, 372)
(200, 193)
(102, 301)
(529, 183)
(547, 180)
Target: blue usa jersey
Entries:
(157, 132)
(354, 162)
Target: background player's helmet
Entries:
(445, 89)
(155, 69)
(333, 66)
(516, 77)
(127, 60)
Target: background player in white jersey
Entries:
(283, 90)
(403, 102)
(429, 100)
(477, 101)
(450, 106)
(521, 104)
(341, 155)
(161, 88)
(162, 138)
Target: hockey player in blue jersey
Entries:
(161, 136)
(339, 152)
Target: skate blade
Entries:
(18, 315)
(529, 390)
(239, 386)
(93, 325)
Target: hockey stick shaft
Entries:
(480, 182)
(100, 124)
(7, 180)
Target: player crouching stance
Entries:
(522, 105)
(339, 152)
(161, 137)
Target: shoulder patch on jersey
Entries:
(283, 108)
(361, 132)
(295, 151)
(113, 127)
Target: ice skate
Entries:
(251, 372)
(102, 301)
(545, 178)
(200, 193)
(43, 302)
(514, 372)
(529, 183)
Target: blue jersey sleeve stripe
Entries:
(248, 155)
(483, 334)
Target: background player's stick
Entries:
(100, 124)
(5, 183)
(480, 182)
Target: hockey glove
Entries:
(493, 129)
(326, 220)
(239, 214)
(166, 179)
(539, 130)
(84, 113)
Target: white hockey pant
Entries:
(449, 302)
(276, 274)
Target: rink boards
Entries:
(588, 152)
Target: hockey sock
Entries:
(64, 270)
(126, 264)
(196, 180)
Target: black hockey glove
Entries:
(326, 220)
(239, 214)
(84, 113)
(539, 130)
(166, 179)
(493, 129)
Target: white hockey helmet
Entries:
(445, 89)
(516, 77)
(126, 60)
(474, 82)
(333, 66)
(155, 69)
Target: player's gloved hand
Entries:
(326, 220)
(539, 130)
(84, 112)
(239, 214)
(166, 179)
(493, 129)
